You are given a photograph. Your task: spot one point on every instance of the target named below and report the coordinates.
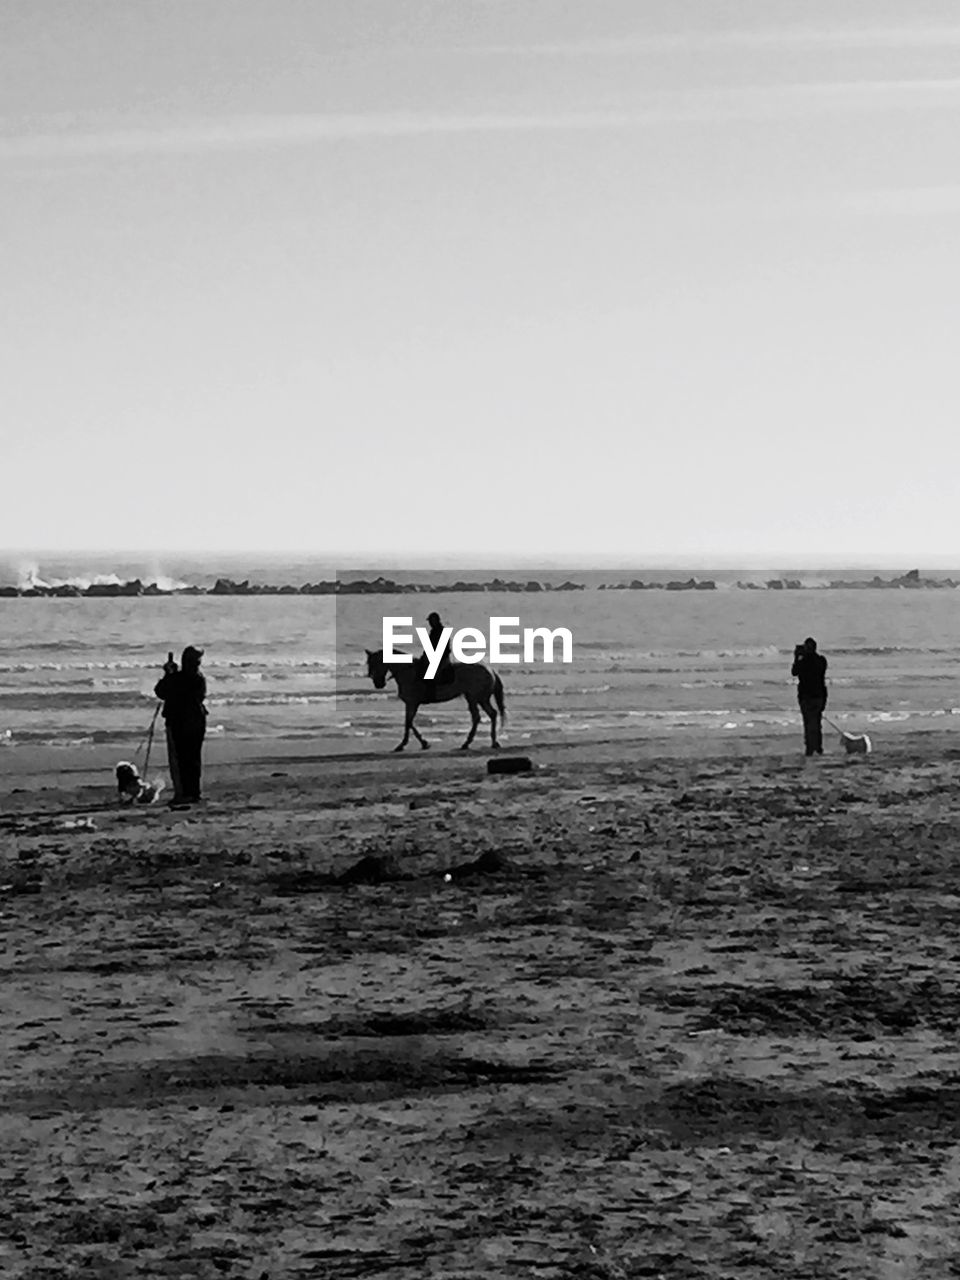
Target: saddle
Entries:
(429, 688)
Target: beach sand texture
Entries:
(697, 1018)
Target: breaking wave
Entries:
(29, 576)
(128, 664)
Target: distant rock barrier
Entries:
(387, 586)
(908, 581)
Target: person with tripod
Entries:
(182, 691)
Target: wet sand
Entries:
(678, 1015)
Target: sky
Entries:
(671, 280)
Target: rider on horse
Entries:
(444, 672)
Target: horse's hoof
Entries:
(495, 746)
(424, 746)
(464, 746)
(400, 748)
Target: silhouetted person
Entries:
(183, 692)
(443, 672)
(810, 669)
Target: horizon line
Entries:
(488, 560)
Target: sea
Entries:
(687, 665)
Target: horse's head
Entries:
(376, 668)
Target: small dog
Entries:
(131, 788)
(855, 744)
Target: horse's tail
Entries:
(498, 694)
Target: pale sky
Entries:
(674, 279)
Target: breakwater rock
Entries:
(229, 587)
(388, 586)
(906, 581)
(691, 584)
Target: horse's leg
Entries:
(409, 713)
(424, 744)
(475, 717)
(488, 708)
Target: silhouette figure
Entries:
(183, 691)
(444, 672)
(810, 670)
(478, 684)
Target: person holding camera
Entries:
(810, 670)
(183, 690)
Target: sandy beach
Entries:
(632, 1014)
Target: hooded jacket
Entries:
(183, 693)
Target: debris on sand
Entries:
(23, 881)
(509, 764)
(373, 869)
(288, 883)
(489, 863)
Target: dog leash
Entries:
(836, 728)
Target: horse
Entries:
(473, 681)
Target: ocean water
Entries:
(291, 668)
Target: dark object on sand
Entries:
(490, 863)
(510, 764)
(372, 869)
